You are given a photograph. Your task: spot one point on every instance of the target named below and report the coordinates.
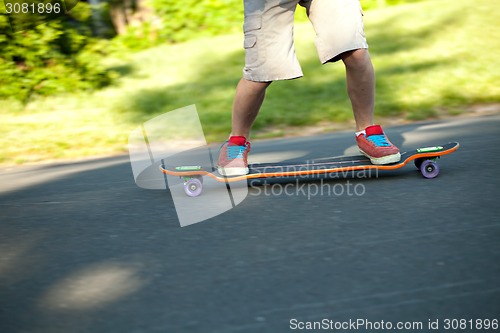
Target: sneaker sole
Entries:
(394, 158)
(232, 171)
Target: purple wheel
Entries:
(429, 169)
(200, 178)
(193, 187)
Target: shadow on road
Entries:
(83, 249)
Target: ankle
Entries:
(237, 140)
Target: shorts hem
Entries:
(331, 57)
(256, 78)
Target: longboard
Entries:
(425, 159)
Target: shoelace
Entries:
(235, 152)
(379, 140)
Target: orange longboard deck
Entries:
(319, 166)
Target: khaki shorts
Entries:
(268, 28)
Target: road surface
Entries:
(83, 249)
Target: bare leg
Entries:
(360, 78)
(247, 103)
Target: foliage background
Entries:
(59, 56)
(64, 54)
(75, 87)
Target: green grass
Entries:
(432, 59)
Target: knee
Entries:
(255, 86)
(357, 59)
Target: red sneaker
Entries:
(375, 145)
(233, 156)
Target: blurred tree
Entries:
(58, 56)
(126, 13)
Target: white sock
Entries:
(360, 132)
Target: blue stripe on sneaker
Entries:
(235, 152)
(379, 140)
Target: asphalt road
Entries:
(83, 249)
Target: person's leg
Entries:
(340, 36)
(371, 139)
(269, 56)
(247, 102)
(360, 78)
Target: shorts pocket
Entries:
(250, 41)
(253, 53)
(252, 56)
(252, 22)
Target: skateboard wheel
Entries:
(200, 178)
(429, 169)
(193, 187)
